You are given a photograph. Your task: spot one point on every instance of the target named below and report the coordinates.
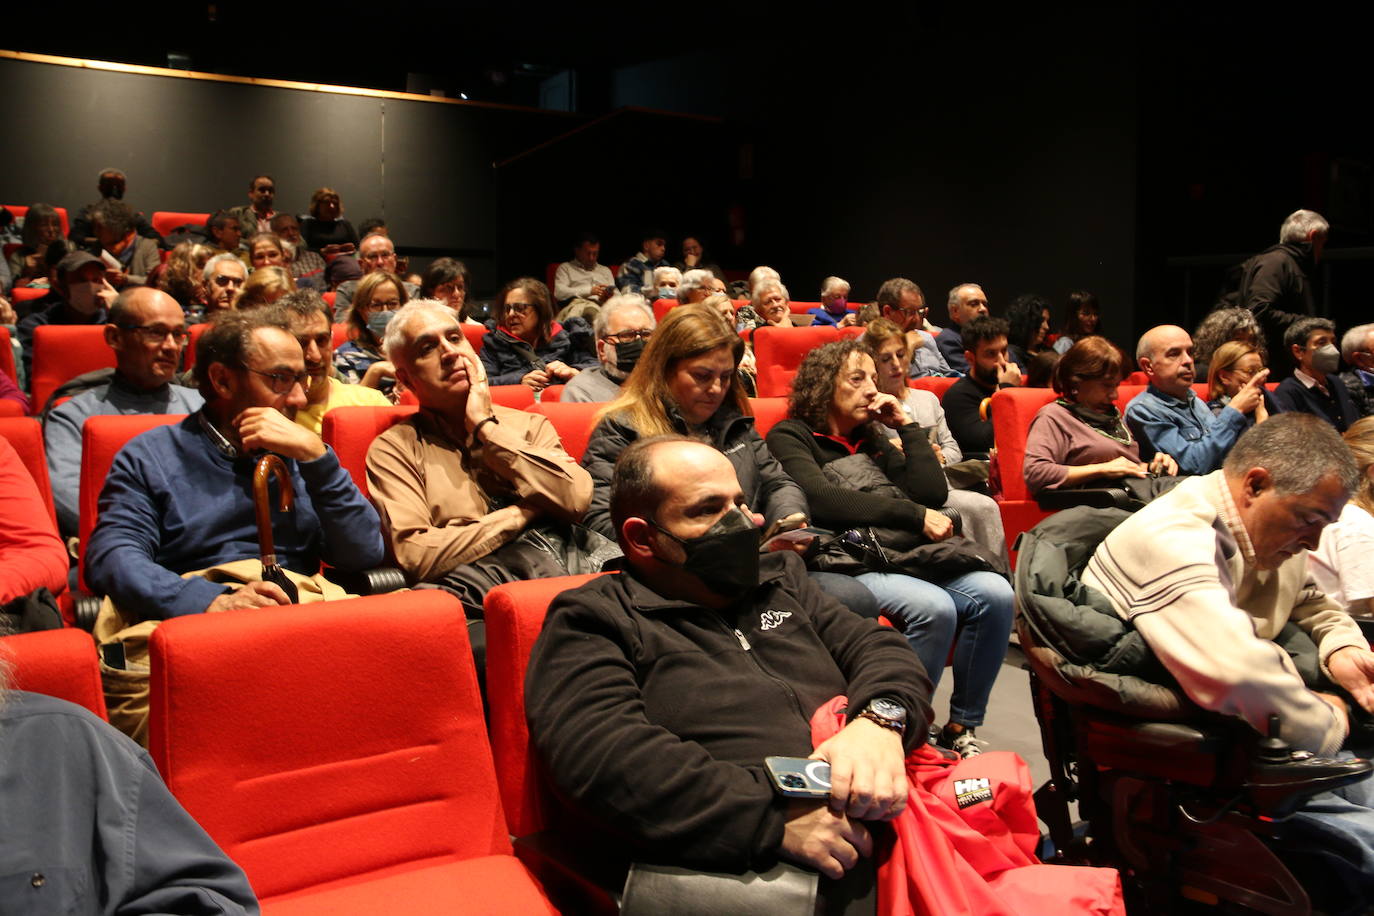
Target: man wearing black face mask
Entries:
(654, 696)
(622, 328)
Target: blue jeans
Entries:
(1340, 824)
(847, 590)
(977, 605)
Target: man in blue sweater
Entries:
(179, 498)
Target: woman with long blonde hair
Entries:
(1343, 563)
(1233, 364)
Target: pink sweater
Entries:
(1058, 441)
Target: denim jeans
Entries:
(1340, 824)
(977, 605)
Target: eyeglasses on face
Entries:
(625, 337)
(384, 305)
(519, 309)
(919, 310)
(156, 334)
(282, 382)
(223, 280)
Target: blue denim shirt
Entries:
(1184, 429)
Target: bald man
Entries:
(1169, 417)
(147, 330)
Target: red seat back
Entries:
(7, 355)
(1013, 409)
(27, 293)
(325, 742)
(19, 213)
(62, 352)
(329, 298)
(779, 352)
(517, 397)
(573, 421)
(59, 663)
(340, 335)
(936, 384)
(188, 356)
(552, 394)
(801, 308)
(514, 616)
(663, 307)
(11, 408)
(474, 333)
(1136, 378)
(101, 439)
(768, 411)
(164, 221)
(350, 431)
(25, 435)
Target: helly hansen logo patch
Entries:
(768, 620)
(972, 791)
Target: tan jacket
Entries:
(437, 498)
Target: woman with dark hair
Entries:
(687, 381)
(526, 347)
(360, 360)
(446, 280)
(1081, 438)
(837, 414)
(42, 227)
(1220, 326)
(1081, 319)
(1027, 328)
(325, 230)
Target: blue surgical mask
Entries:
(667, 292)
(377, 322)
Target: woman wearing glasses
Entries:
(360, 359)
(526, 347)
(1233, 364)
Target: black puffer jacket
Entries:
(509, 359)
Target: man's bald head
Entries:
(1165, 354)
(637, 487)
(147, 331)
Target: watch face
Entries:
(888, 709)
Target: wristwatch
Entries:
(886, 712)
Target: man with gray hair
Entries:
(902, 303)
(1357, 349)
(622, 328)
(222, 278)
(1211, 573)
(967, 301)
(1314, 386)
(1276, 284)
(697, 285)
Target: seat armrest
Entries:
(576, 878)
(666, 890)
(86, 608)
(376, 581)
(1095, 497)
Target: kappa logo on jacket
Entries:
(769, 620)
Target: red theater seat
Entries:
(518, 397)
(552, 394)
(350, 431)
(779, 351)
(767, 412)
(10, 409)
(7, 355)
(61, 353)
(27, 293)
(474, 333)
(663, 306)
(340, 335)
(329, 298)
(19, 212)
(573, 422)
(25, 435)
(58, 663)
(936, 384)
(338, 754)
(166, 221)
(1012, 412)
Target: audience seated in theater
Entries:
(91, 825)
(526, 347)
(113, 223)
(966, 303)
(225, 236)
(256, 215)
(265, 286)
(1314, 387)
(902, 303)
(1233, 364)
(147, 331)
(836, 444)
(182, 277)
(583, 277)
(325, 230)
(306, 266)
(687, 382)
(31, 554)
(309, 319)
(265, 249)
(1357, 349)
(1219, 326)
(1027, 328)
(1276, 284)
(1081, 439)
(447, 280)
(666, 280)
(834, 309)
(747, 369)
(1169, 417)
(111, 183)
(769, 300)
(81, 296)
(623, 327)
(694, 257)
(886, 343)
(989, 370)
(1081, 319)
(375, 253)
(458, 483)
(636, 274)
(222, 282)
(360, 360)
(1342, 564)
(42, 227)
(648, 717)
(697, 284)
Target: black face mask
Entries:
(725, 558)
(627, 355)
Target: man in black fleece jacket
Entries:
(654, 696)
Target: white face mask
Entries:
(82, 297)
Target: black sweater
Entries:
(913, 468)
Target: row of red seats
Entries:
(164, 221)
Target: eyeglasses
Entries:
(520, 309)
(921, 310)
(156, 334)
(282, 382)
(625, 337)
(226, 280)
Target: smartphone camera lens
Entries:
(792, 781)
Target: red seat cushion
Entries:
(518, 397)
(59, 663)
(350, 431)
(62, 352)
(7, 355)
(164, 221)
(475, 334)
(767, 412)
(26, 436)
(573, 421)
(780, 351)
(936, 384)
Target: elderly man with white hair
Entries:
(770, 299)
(834, 309)
(697, 285)
(1276, 284)
(622, 328)
(967, 301)
(1357, 349)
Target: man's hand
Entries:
(1353, 668)
(479, 392)
(867, 771)
(377, 372)
(252, 594)
(938, 526)
(828, 842)
(7, 313)
(888, 410)
(266, 429)
(1010, 374)
(1336, 703)
(939, 453)
(1163, 464)
(1251, 394)
(849, 320)
(600, 292)
(537, 379)
(106, 295)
